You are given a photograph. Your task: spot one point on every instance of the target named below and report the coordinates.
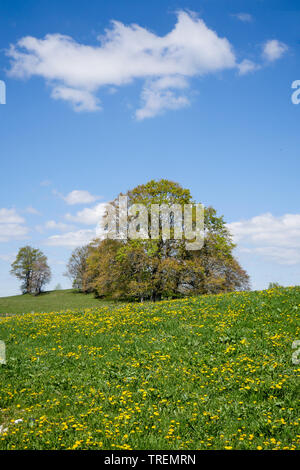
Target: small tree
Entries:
(274, 285)
(31, 267)
(41, 275)
(77, 265)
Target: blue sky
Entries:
(169, 98)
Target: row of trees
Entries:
(146, 269)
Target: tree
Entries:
(31, 267)
(41, 275)
(77, 265)
(274, 285)
(164, 268)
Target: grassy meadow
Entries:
(50, 301)
(211, 372)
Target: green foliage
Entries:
(159, 192)
(274, 285)
(207, 372)
(160, 269)
(31, 267)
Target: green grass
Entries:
(52, 301)
(212, 372)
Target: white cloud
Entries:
(245, 17)
(156, 101)
(53, 225)
(77, 71)
(247, 66)
(9, 232)
(283, 256)
(81, 100)
(274, 49)
(79, 197)
(32, 210)
(72, 239)
(10, 216)
(11, 225)
(88, 216)
(277, 238)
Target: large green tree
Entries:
(31, 267)
(162, 267)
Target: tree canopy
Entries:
(31, 267)
(77, 265)
(164, 268)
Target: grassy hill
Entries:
(52, 301)
(212, 372)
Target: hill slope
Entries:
(52, 301)
(211, 372)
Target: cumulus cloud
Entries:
(283, 256)
(53, 225)
(32, 210)
(89, 215)
(77, 71)
(10, 216)
(72, 239)
(247, 66)
(11, 225)
(277, 238)
(160, 95)
(274, 49)
(81, 100)
(79, 197)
